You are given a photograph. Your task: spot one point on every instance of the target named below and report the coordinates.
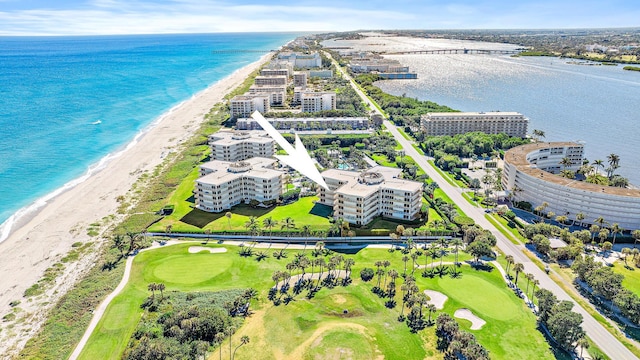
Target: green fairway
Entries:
(320, 328)
(510, 327)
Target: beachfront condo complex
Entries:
(240, 145)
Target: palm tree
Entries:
(518, 268)
(510, 261)
(536, 282)
(562, 219)
(456, 248)
(288, 223)
(603, 235)
(537, 134)
(614, 163)
(529, 277)
(348, 263)
(600, 220)
(625, 251)
(219, 338)
(243, 341)
(636, 237)
(594, 229)
(431, 309)
(582, 343)
(133, 240)
(269, 223)
(251, 224)
(579, 217)
(598, 163)
(228, 216)
(119, 243)
(565, 162)
(152, 287)
(161, 287)
(405, 259)
(616, 229)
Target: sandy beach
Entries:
(47, 236)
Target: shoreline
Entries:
(41, 233)
(23, 215)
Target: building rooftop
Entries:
(229, 138)
(463, 114)
(369, 181)
(226, 171)
(518, 157)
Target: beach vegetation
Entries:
(631, 68)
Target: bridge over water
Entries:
(453, 51)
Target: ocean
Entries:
(595, 105)
(70, 103)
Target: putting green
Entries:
(481, 296)
(192, 269)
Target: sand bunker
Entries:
(437, 298)
(197, 249)
(476, 322)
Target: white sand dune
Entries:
(476, 322)
(41, 241)
(437, 298)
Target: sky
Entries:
(101, 17)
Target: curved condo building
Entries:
(531, 169)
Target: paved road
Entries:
(598, 334)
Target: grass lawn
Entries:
(502, 225)
(631, 275)
(318, 328)
(446, 176)
(303, 212)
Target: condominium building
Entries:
(317, 101)
(452, 123)
(275, 72)
(358, 197)
(528, 175)
(245, 105)
(322, 74)
(334, 123)
(277, 94)
(224, 184)
(301, 60)
(271, 80)
(300, 79)
(241, 145)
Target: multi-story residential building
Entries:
(224, 184)
(452, 123)
(241, 145)
(304, 61)
(334, 123)
(277, 94)
(275, 72)
(317, 101)
(245, 105)
(322, 74)
(271, 80)
(529, 175)
(300, 79)
(358, 197)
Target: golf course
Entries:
(347, 321)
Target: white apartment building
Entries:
(271, 80)
(317, 101)
(300, 79)
(302, 60)
(224, 184)
(358, 197)
(452, 123)
(528, 168)
(241, 145)
(245, 105)
(277, 94)
(334, 123)
(275, 72)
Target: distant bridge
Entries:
(453, 51)
(237, 51)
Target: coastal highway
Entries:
(596, 332)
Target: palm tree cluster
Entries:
(240, 305)
(336, 267)
(593, 172)
(153, 287)
(455, 343)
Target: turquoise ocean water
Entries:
(69, 103)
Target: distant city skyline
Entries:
(98, 17)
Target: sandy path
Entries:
(47, 236)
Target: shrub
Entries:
(463, 220)
(366, 274)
